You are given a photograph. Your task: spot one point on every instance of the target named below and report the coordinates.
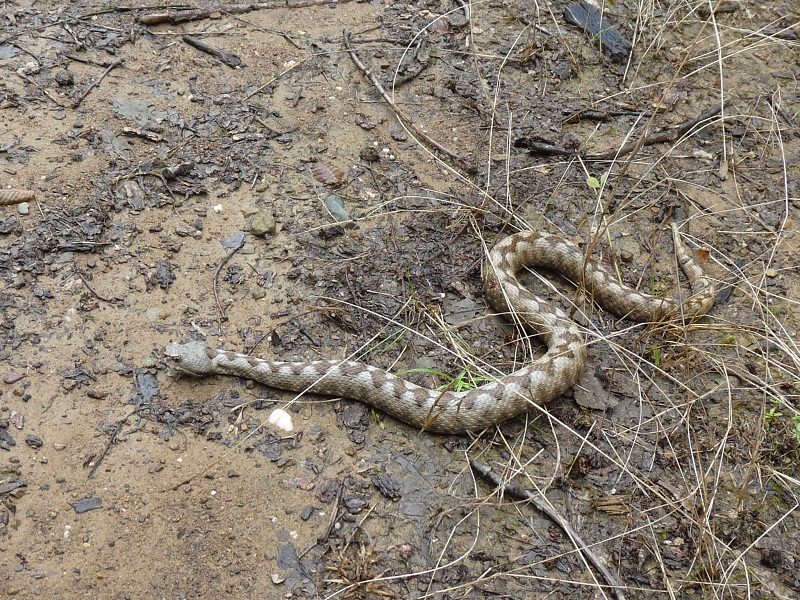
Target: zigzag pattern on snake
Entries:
(457, 412)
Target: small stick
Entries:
(331, 524)
(334, 514)
(185, 14)
(41, 89)
(91, 289)
(227, 58)
(125, 9)
(776, 104)
(111, 440)
(86, 61)
(486, 472)
(108, 70)
(398, 111)
(216, 276)
(658, 137)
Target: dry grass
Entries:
(679, 490)
(707, 471)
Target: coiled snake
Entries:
(456, 412)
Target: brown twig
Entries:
(397, 110)
(487, 473)
(108, 70)
(90, 288)
(32, 81)
(226, 58)
(111, 440)
(86, 61)
(221, 264)
(601, 115)
(657, 138)
(778, 107)
(125, 9)
(331, 524)
(334, 514)
(198, 14)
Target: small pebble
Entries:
(278, 578)
(17, 419)
(336, 207)
(233, 241)
(23, 208)
(86, 504)
(263, 223)
(64, 77)
(34, 441)
(12, 377)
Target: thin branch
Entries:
(398, 111)
(90, 288)
(227, 58)
(108, 70)
(216, 277)
(659, 137)
(111, 440)
(487, 473)
(186, 14)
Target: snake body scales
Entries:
(9, 196)
(457, 412)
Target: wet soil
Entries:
(186, 195)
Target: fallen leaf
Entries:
(325, 174)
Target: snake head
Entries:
(193, 358)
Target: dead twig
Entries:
(108, 70)
(397, 110)
(86, 61)
(90, 288)
(334, 514)
(659, 137)
(331, 523)
(41, 89)
(221, 264)
(601, 115)
(198, 14)
(487, 473)
(778, 107)
(112, 438)
(126, 9)
(226, 58)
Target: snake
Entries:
(10, 196)
(537, 382)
